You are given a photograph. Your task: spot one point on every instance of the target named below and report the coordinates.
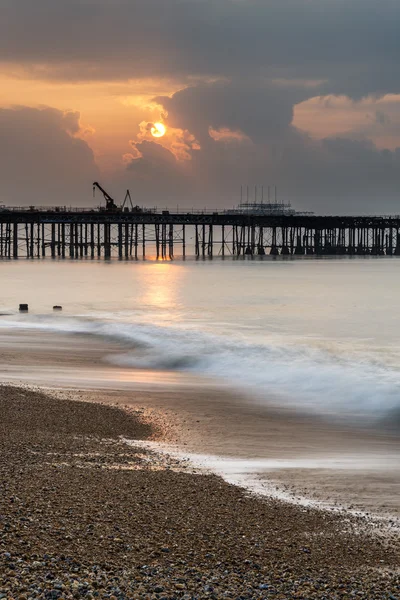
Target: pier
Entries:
(137, 233)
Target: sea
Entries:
(321, 336)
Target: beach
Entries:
(270, 449)
(86, 515)
(181, 450)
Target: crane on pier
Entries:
(111, 206)
(110, 203)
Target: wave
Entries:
(322, 380)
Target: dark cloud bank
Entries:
(260, 59)
(42, 162)
(320, 39)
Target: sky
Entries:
(299, 94)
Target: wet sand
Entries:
(333, 463)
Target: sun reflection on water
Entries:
(161, 282)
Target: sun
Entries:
(158, 130)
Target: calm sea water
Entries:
(323, 335)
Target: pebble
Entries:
(83, 532)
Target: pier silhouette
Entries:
(133, 233)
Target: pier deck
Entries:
(76, 233)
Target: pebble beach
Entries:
(85, 515)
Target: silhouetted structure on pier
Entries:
(77, 233)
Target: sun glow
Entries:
(158, 130)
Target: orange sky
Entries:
(376, 118)
(111, 113)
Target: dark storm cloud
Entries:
(341, 175)
(41, 160)
(352, 43)
(257, 108)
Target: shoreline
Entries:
(171, 439)
(264, 485)
(299, 457)
(305, 461)
(261, 478)
(322, 462)
(74, 523)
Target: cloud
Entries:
(46, 162)
(257, 108)
(241, 147)
(151, 154)
(341, 175)
(42, 159)
(155, 175)
(226, 135)
(179, 142)
(242, 69)
(353, 46)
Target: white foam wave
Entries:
(316, 379)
